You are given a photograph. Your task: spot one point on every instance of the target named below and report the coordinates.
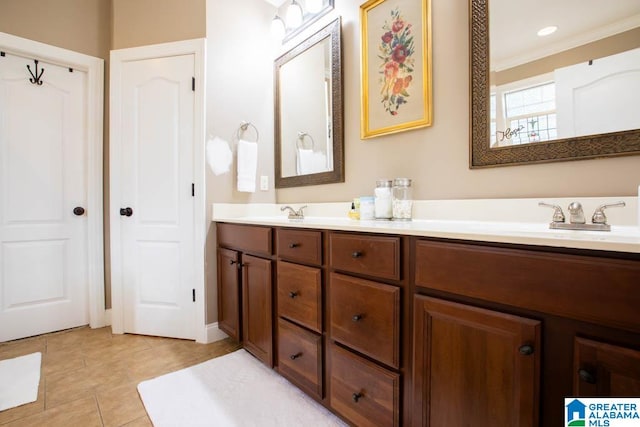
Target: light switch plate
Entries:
(264, 183)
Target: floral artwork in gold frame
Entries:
(396, 66)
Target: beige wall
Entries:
(437, 158)
(145, 22)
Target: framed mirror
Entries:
(570, 95)
(308, 111)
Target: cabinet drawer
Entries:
(300, 245)
(592, 289)
(363, 392)
(365, 316)
(300, 357)
(248, 238)
(300, 294)
(371, 255)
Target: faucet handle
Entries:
(599, 217)
(558, 215)
(300, 213)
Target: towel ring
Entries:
(244, 126)
(301, 136)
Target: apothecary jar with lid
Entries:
(402, 199)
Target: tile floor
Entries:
(89, 376)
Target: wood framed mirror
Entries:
(308, 124)
(560, 144)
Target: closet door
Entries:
(43, 196)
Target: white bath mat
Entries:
(230, 391)
(19, 379)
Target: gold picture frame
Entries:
(396, 66)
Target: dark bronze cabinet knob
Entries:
(293, 245)
(295, 356)
(293, 294)
(357, 317)
(357, 396)
(587, 376)
(78, 211)
(356, 254)
(526, 350)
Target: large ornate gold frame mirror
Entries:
(308, 124)
(483, 153)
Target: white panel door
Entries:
(156, 166)
(43, 177)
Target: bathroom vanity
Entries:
(431, 324)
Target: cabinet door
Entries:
(474, 366)
(229, 293)
(257, 307)
(605, 370)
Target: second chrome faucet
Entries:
(577, 220)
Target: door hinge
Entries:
(193, 84)
(193, 295)
(2, 54)
(193, 190)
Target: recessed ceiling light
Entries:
(547, 30)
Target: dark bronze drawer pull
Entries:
(231, 261)
(357, 317)
(294, 245)
(356, 254)
(586, 376)
(526, 350)
(295, 356)
(293, 294)
(357, 396)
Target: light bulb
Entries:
(314, 6)
(277, 28)
(294, 15)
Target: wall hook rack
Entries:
(36, 77)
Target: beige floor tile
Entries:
(11, 349)
(140, 422)
(89, 376)
(120, 405)
(82, 412)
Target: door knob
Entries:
(79, 211)
(126, 211)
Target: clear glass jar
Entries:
(402, 201)
(367, 208)
(383, 203)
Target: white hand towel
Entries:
(219, 156)
(247, 165)
(304, 161)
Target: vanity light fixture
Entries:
(547, 30)
(294, 15)
(278, 29)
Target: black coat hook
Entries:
(36, 77)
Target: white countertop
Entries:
(492, 221)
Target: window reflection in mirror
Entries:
(580, 80)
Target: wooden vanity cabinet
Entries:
(511, 331)
(602, 369)
(474, 364)
(300, 293)
(366, 319)
(245, 287)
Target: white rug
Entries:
(231, 390)
(19, 380)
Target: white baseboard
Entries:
(214, 333)
(107, 317)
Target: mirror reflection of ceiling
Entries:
(514, 25)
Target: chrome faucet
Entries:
(294, 214)
(576, 214)
(576, 217)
